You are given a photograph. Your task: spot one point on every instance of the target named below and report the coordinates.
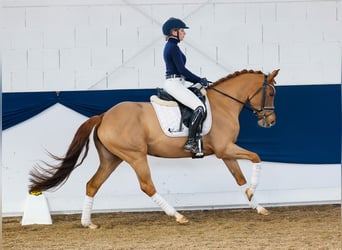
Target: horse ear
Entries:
(272, 75)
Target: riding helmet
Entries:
(173, 23)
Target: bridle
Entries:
(248, 104)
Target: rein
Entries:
(247, 104)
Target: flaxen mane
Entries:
(235, 74)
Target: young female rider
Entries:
(179, 78)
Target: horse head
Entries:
(257, 94)
(262, 101)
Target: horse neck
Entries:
(240, 88)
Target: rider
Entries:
(179, 79)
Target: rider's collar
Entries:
(173, 39)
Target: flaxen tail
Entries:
(53, 176)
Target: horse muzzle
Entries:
(267, 121)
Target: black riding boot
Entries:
(196, 121)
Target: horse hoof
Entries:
(182, 220)
(91, 226)
(249, 194)
(263, 211)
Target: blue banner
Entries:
(308, 128)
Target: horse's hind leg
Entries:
(146, 184)
(108, 163)
(248, 192)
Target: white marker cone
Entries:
(36, 210)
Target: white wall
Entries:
(82, 44)
(185, 183)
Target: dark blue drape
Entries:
(308, 128)
(18, 107)
(91, 103)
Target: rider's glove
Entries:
(204, 82)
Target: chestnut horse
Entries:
(130, 131)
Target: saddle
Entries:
(174, 118)
(185, 111)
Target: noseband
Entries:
(248, 105)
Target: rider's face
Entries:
(181, 34)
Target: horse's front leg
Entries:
(229, 159)
(249, 191)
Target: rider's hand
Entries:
(204, 82)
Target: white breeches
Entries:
(178, 88)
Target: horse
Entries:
(130, 131)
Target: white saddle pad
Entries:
(169, 117)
